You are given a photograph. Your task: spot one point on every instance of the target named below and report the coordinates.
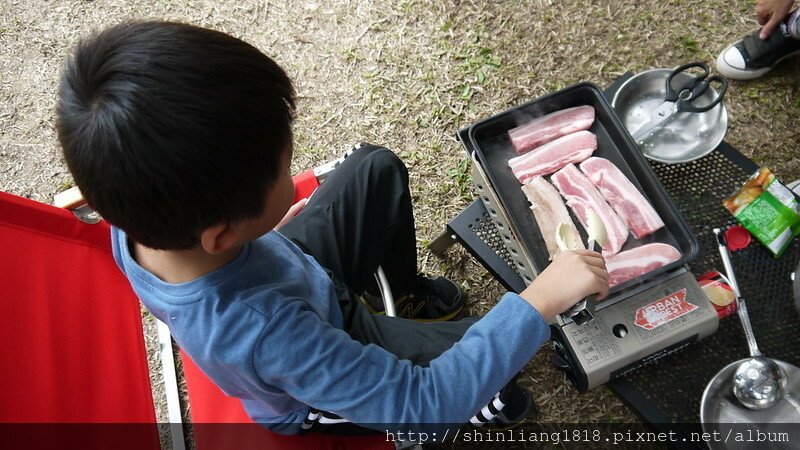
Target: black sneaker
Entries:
(519, 405)
(433, 299)
(752, 57)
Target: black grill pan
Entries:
(493, 148)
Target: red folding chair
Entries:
(74, 348)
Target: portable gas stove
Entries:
(643, 319)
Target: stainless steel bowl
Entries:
(688, 136)
(720, 409)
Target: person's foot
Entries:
(753, 57)
(433, 299)
(519, 405)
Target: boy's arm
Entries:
(323, 367)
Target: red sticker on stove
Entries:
(663, 310)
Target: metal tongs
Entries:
(680, 98)
(583, 311)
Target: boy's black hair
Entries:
(169, 128)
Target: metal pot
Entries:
(687, 137)
(720, 410)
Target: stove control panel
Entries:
(634, 332)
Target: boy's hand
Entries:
(293, 211)
(571, 276)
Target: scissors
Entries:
(681, 98)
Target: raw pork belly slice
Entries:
(623, 196)
(552, 126)
(549, 211)
(552, 156)
(581, 196)
(638, 261)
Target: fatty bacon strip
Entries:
(552, 156)
(552, 126)
(582, 196)
(638, 261)
(549, 211)
(622, 195)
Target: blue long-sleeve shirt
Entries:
(267, 328)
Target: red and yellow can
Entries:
(719, 293)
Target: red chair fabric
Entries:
(74, 354)
(305, 183)
(73, 350)
(220, 423)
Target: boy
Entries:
(181, 138)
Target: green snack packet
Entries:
(768, 209)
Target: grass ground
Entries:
(408, 75)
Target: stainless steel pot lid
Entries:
(685, 138)
(719, 409)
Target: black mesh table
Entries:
(668, 391)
